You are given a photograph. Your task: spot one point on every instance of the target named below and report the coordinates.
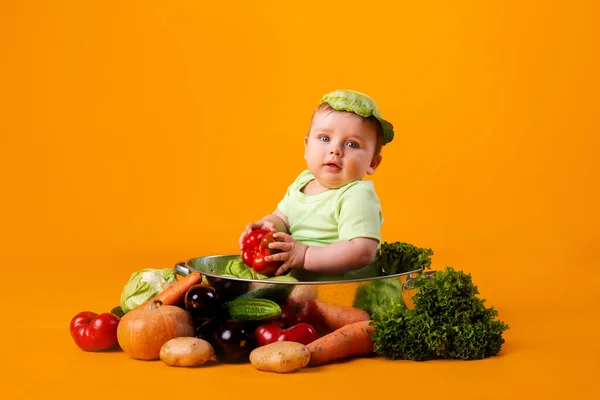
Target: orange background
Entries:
(136, 134)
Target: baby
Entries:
(328, 224)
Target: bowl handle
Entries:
(182, 269)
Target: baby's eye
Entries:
(324, 138)
(352, 145)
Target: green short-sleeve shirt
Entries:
(346, 213)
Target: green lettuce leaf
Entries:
(378, 296)
(238, 269)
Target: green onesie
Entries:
(338, 214)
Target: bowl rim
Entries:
(182, 265)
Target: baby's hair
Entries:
(326, 108)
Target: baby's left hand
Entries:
(292, 252)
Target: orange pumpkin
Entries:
(142, 332)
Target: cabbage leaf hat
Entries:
(360, 104)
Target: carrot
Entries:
(349, 341)
(335, 316)
(175, 293)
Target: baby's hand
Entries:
(268, 225)
(292, 253)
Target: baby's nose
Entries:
(335, 150)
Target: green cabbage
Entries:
(144, 285)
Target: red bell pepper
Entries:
(272, 332)
(256, 248)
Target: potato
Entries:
(186, 352)
(302, 293)
(280, 357)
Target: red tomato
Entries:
(93, 332)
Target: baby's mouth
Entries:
(332, 166)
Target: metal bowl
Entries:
(342, 291)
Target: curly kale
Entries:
(398, 257)
(448, 321)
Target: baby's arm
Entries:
(275, 222)
(338, 257)
(341, 256)
(279, 220)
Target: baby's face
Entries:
(340, 148)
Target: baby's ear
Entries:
(375, 162)
(305, 143)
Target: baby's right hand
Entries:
(262, 224)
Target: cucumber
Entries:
(253, 310)
(270, 291)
